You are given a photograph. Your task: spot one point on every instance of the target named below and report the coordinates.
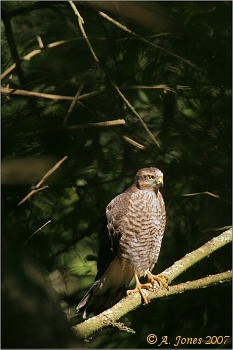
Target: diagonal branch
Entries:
(147, 41)
(37, 187)
(73, 104)
(106, 318)
(81, 22)
(137, 115)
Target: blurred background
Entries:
(177, 75)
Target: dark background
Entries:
(191, 120)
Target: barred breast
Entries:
(142, 231)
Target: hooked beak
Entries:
(160, 182)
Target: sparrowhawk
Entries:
(130, 242)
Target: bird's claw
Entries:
(160, 279)
(138, 288)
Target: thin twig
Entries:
(137, 115)
(81, 22)
(74, 127)
(37, 189)
(149, 87)
(197, 193)
(98, 124)
(8, 71)
(205, 192)
(73, 104)
(40, 42)
(146, 41)
(51, 171)
(6, 90)
(35, 52)
(44, 95)
(134, 143)
(39, 229)
(30, 194)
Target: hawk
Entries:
(130, 243)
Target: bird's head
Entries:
(150, 179)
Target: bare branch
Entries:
(137, 115)
(75, 127)
(43, 95)
(26, 93)
(146, 41)
(195, 194)
(98, 124)
(37, 189)
(109, 317)
(73, 104)
(51, 171)
(39, 229)
(87, 328)
(81, 22)
(30, 194)
(207, 193)
(134, 143)
(192, 258)
(35, 52)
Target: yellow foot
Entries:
(161, 279)
(138, 288)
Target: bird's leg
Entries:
(161, 279)
(138, 288)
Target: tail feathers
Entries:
(95, 304)
(83, 304)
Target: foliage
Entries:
(178, 79)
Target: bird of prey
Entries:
(130, 243)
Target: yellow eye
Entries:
(150, 177)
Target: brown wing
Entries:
(110, 234)
(94, 301)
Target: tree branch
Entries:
(110, 316)
(37, 187)
(192, 258)
(74, 127)
(8, 91)
(44, 95)
(119, 25)
(81, 22)
(136, 113)
(12, 45)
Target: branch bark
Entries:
(110, 316)
(74, 128)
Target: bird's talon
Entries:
(160, 279)
(139, 288)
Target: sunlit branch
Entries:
(87, 328)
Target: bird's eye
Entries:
(150, 177)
